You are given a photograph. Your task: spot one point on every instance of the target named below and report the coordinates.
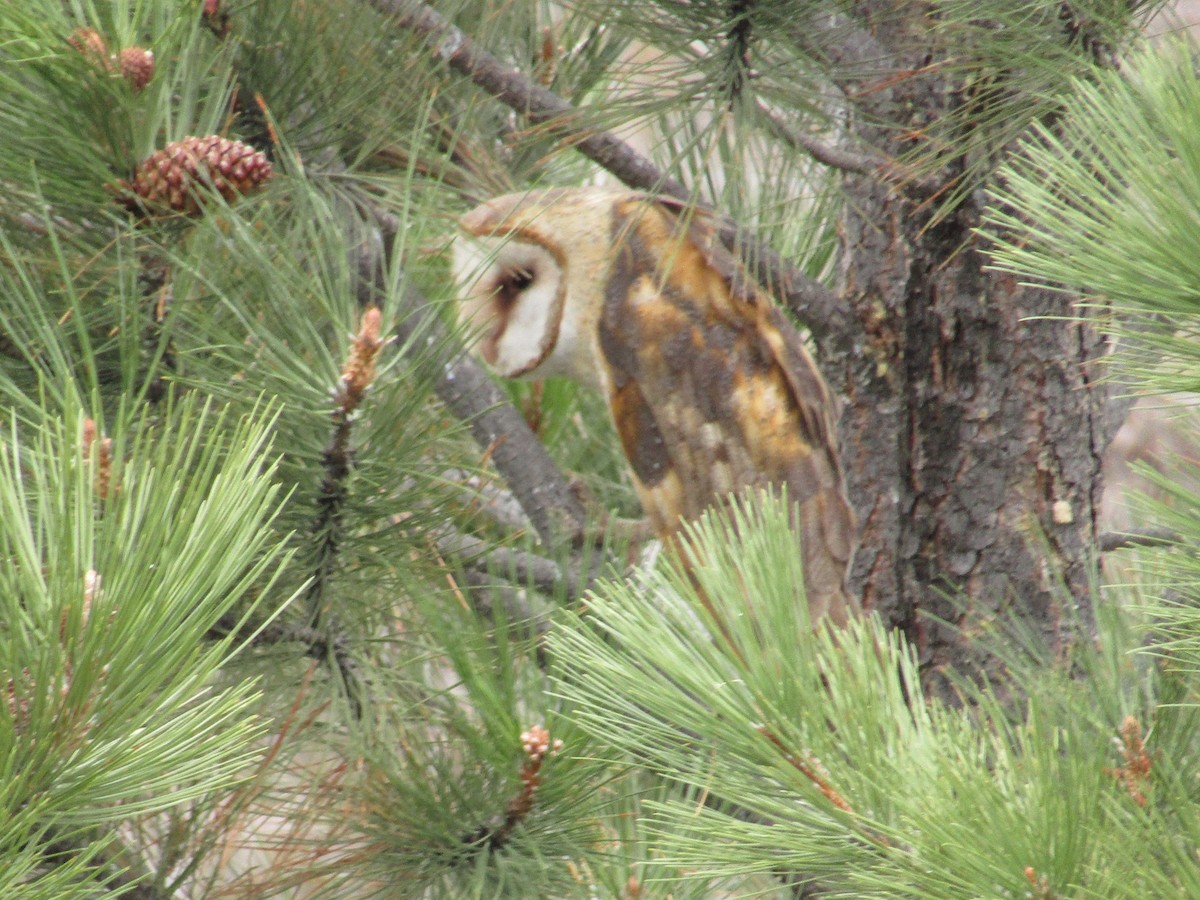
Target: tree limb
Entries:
(542, 490)
(815, 304)
(1150, 537)
(529, 98)
(545, 494)
(519, 566)
(491, 498)
(484, 594)
(845, 160)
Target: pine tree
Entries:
(296, 601)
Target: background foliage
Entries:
(270, 623)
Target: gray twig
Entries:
(529, 98)
(1150, 537)
(518, 566)
(846, 160)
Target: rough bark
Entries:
(974, 425)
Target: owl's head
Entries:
(532, 269)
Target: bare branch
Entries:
(529, 98)
(519, 566)
(497, 426)
(485, 593)
(491, 498)
(815, 304)
(870, 164)
(544, 493)
(1151, 537)
(156, 289)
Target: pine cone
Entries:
(90, 43)
(215, 18)
(173, 176)
(137, 66)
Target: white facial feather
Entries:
(516, 298)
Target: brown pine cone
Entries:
(90, 43)
(174, 176)
(137, 66)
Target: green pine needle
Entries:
(818, 755)
(113, 579)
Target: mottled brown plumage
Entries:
(710, 388)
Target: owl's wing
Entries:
(712, 390)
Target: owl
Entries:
(710, 388)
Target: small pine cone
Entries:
(137, 66)
(90, 43)
(172, 176)
(18, 708)
(215, 18)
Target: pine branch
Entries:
(537, 744)
(873, 165)
(319, 645)
(1089, 34)
(124, 873)
(322, 637)
(338, 458)
(1150, 537)
(815, 304)
(497, 426)
(154, 284)
(737, 50)
(322, 645)
(1134, 772)
(216, 19)
(521, 567)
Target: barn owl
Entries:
(710, 388)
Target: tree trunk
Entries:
(974, 423)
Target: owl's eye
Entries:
(511, 286)
(519, 279)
